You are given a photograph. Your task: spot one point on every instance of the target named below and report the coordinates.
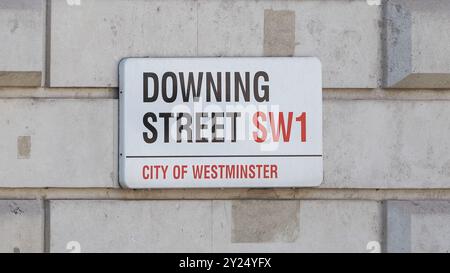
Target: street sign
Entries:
(220, 122)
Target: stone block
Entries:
(22, 35)
(386, 144)
(418, 226)
(89, 40)
(296, 226)
(344, 35)
(416, 41)
(58, 143)
(130, 226)
(21, 226)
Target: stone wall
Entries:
(386, 78)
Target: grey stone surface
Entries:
(418, 226)
(21, 226)
(296, 226)
(58, 143)
(85, 56)
(87, 53)
(22, 40)
(205, 226)
(344, 35)
(131, 226)
(386, 144)
(396, 140)
(416, 44)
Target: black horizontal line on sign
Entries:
(193, 156)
